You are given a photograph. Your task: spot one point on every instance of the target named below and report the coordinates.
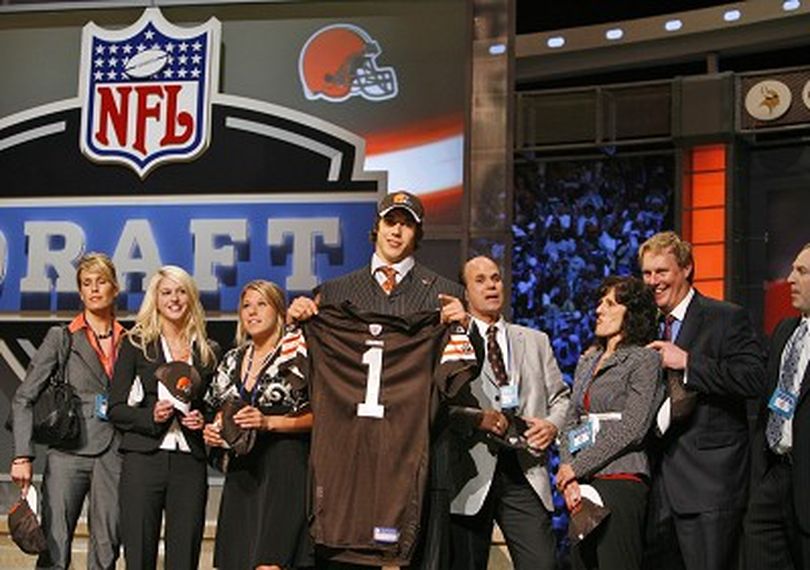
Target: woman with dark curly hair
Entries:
(615, 395)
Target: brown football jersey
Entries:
(371, 378)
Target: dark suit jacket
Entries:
(85, 373)
(801, 427)
(703, 461)
(140, 431)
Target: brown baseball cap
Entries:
(25, 530)
(240, 440)
(181, 379)
(405, 200)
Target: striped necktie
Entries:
(667, 332)
(390, 278)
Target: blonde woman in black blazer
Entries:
(91, 466)
(164, 454)
(615, 395)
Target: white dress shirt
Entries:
(174, 440)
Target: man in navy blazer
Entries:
(777, 525)
(700, 457)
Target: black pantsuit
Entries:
(155, 480)
(772, 539)
(710, 539)
(150, 483)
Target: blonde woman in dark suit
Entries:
(91, 466)
(615, 394)
(164, 454)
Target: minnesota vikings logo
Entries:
(768, 100)
(146, 91)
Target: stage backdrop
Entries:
(237, 141)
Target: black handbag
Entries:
(56, 409)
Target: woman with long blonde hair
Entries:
(156, 401)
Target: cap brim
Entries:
(413, 214)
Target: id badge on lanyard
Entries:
(783, 403)
(581, 437)
(101, 405)
(509, 397)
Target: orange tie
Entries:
(390, 278)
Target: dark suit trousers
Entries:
(693, 541)
(617, 543)
(773, 539)
(521, 516)
(151, 483)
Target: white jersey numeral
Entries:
(372, 358)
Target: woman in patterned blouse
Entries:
(261, 432)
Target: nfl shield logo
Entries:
(146, 91)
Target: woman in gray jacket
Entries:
(91, 465)
(615, 394)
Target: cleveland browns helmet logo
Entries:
(340, 61)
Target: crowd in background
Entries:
(576, 222)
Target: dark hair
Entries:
(372, 235)
(639, 323)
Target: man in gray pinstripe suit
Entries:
(394, 283)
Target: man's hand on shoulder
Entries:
(301, 309)
(672, 356)
(453, 310)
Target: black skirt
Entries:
(263, 513)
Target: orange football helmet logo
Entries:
(340, 61)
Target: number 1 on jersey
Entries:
(372, 358)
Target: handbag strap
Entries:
(61, 377)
